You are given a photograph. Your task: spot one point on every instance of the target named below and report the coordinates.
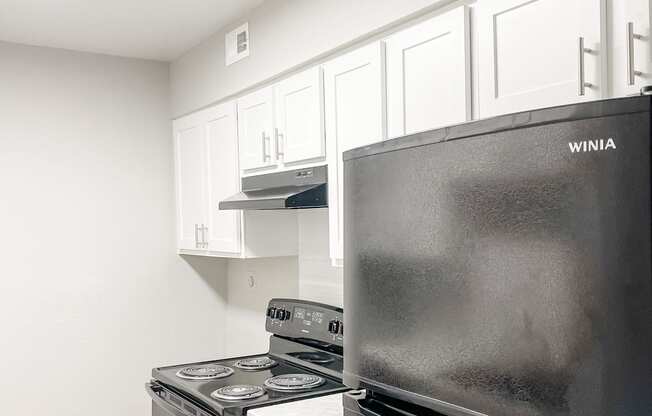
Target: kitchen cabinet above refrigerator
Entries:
(629, 36)
(542, 53)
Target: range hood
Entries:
(294, 189)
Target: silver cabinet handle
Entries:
(204, 231)
(266, 157)
(582, 82)
(268, 154)
(278, 137)
(196, 235)
(632, 73)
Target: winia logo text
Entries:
(592, 145)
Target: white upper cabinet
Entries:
(429, 74)
(207, 171)
(256, 130)
(189, 151)
(538, 53)
(354, 96)
(529, 54)
(300, 118)
(629, 33)
(222, 229)
(282, 126)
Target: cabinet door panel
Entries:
(223, 227)
(636, 12)
(529, 53)
(428, 74)
(299, 117)
(255, 128)
(189, 148)
(354, 86)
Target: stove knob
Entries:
(280, 314)
(341, 328)
(334, 327)
(271, 312)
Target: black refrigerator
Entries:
(503, 267)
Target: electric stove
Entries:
(304, 360)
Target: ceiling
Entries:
(151, 29)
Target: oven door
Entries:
(167, 403)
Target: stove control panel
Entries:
(295, 318)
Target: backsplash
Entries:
(318, 279)
(247, 303)
(309, 276)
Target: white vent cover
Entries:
(236, 44)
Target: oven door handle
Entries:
(152, 390)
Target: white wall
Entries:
(92, 294)
(309, 276)
(284, 34)
(272, 278)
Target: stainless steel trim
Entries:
(278, 135)
(264, 150)
(204, 231)
(196, 235)
(316, 175)
(582, 82)
(298, 188)
(632, 73)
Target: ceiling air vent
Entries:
(237, 44)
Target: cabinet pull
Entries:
(196, 235)
(266, 156)
(278, 137)
(204, 230)
(582, 82)
(632, 73)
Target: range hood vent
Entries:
(295, 189)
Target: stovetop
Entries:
(304, 361)
(201, 391)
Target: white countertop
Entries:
(330, 405)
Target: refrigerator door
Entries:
(504, 274)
